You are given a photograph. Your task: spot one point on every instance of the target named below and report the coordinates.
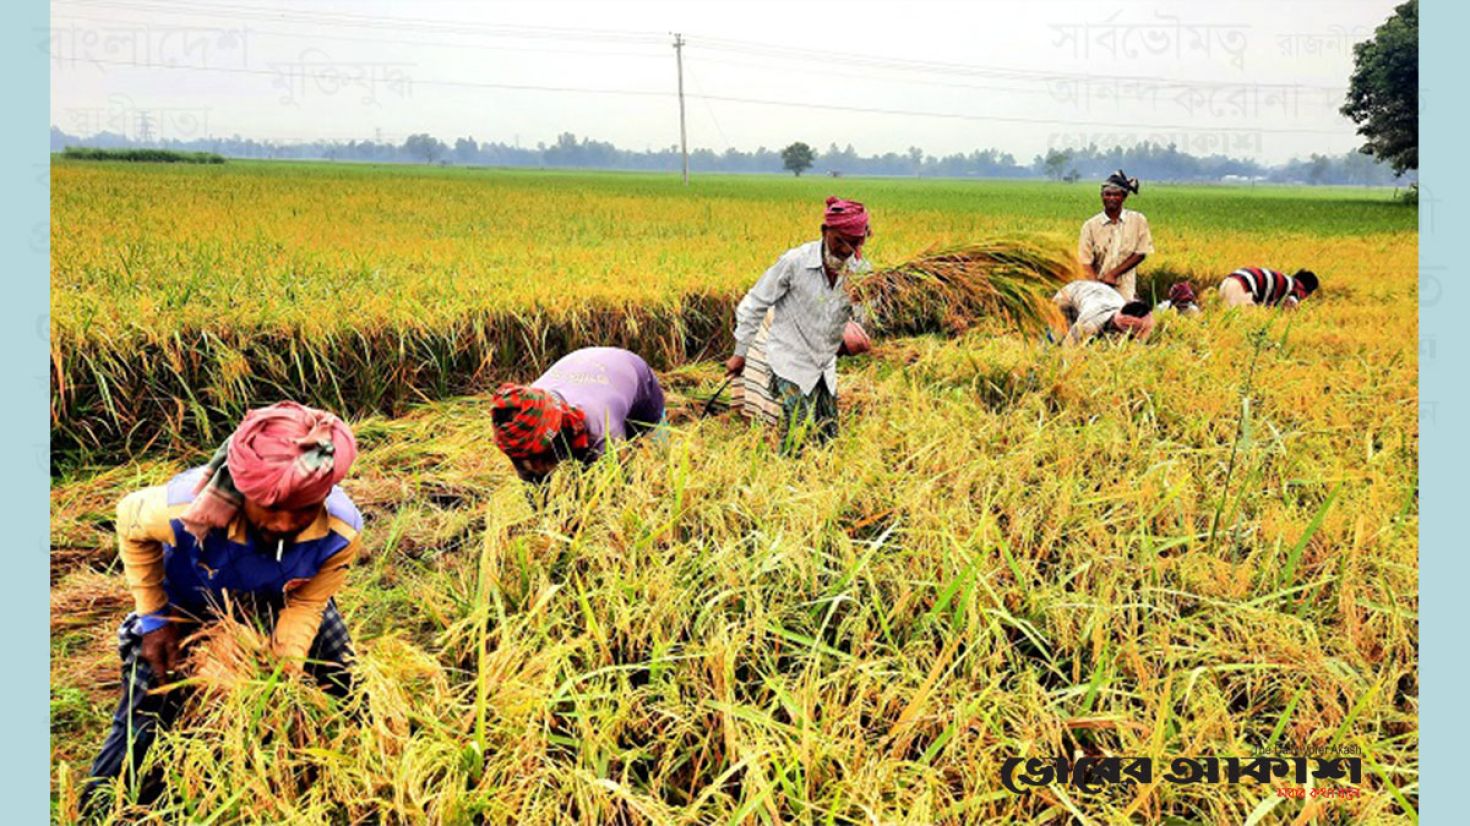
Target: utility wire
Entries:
(390, 23)
(831, 59)
(826, 58)
(398, 41)
(756, 101)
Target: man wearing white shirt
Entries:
(812, 319)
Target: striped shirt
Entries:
(806, 327)
(1269, 287)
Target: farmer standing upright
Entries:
(262, 527)
(1115, 241)
(811, 320)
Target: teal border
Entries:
(25, 418)
(1444, 388)
(1444, 400)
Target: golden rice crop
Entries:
(183, 295)
(1199, 546)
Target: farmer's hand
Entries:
(161, 650)
(735, 366)
(1110, 278)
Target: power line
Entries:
(1006, 119)
(803, 54)
(768, 102)
(830, 59)
(85, 16)
(390, 23)
(412, 81)
(710, 109)
(1138, 91)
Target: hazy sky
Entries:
(1251, 79)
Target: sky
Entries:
(1259, 80)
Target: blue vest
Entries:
(196, 574)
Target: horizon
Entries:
(1252, 79)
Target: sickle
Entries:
(712, 399)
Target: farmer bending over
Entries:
(588, 398)
(1181, 299)
(262, 520)
(1115, 241)
(811, 321)
(1259, 286)
(1093, 308)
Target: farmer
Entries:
(1093, 308)
(1115, 241)
(811, 320)
(1267, 288)
(262, 520)
(1182, 300)
(588, 398)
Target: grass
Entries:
(85, 153)
(186, 293)
(1195, 547)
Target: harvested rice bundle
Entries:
(951, 290)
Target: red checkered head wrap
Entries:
(537, 417)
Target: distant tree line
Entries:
(87, 153)
(1150, 161)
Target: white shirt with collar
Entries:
(806, 328)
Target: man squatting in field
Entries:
(263, 521)
(1115, 241)
(811, 322)
(1268, 288)
(1093, 308)
(588, 398)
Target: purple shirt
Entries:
(615, 389)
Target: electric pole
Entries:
(145, 128)
(683, 134)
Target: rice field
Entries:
(1201, 546)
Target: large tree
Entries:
(1383, 95)
(798, 158)
(426, 146)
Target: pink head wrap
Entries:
(283, 456)
(289, 456)
(847, 217)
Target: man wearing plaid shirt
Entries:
(263, 525)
